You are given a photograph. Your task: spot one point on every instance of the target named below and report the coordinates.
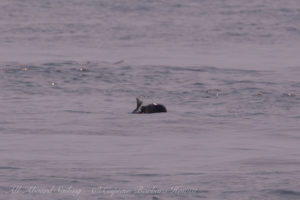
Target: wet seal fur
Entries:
(151, 108)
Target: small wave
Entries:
(296, 84)
(285, 10)
(234, 191)
(292, 29)
(53, 64)
(198, 84)
(31, 179)
(77, 111)
(194, 68)
(233, 82)
(267, 35)
(149, 175)
(191, 174)
(285, 193)
(11, 168)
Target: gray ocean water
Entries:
(227, 71)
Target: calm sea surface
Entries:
(227, 71)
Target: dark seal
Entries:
(151, 108)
